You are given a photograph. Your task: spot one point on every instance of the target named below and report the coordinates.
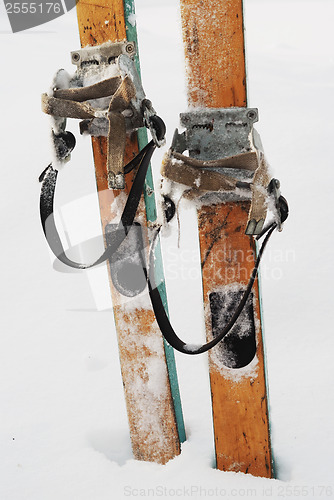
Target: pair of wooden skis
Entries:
(213, 38)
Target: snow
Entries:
(132, 19)
(191, 347)
(64, 432)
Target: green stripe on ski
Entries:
(151, 214)
(259, 281)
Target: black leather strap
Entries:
(49, 181)
(164, 324)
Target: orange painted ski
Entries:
(215, 59)
(154, 429)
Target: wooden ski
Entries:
(147, 364)
(213, 36)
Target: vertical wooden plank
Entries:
(239, 400)
(215, 58)
(152, 421)
(215, 53)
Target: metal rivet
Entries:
(129, 48)
(251, 115)
(75, 57)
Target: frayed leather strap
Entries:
(72, 103)
(49, 181)
(204, 176)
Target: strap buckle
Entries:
(154, 123)
(280, 203)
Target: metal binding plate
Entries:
(219, 133)
(115, 59)
(102, 54)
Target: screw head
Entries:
(129, 48)
(251, 115)
(75, 57)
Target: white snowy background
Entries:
(63, 425)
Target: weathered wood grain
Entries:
(216, 72)
(150, 409)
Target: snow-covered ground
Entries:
(63, 430)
